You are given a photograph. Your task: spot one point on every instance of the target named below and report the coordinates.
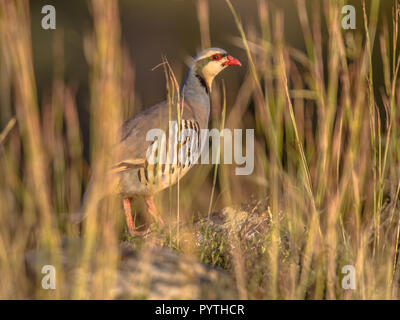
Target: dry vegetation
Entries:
(326, 182)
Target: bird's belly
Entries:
(130, 186)
(150, 180)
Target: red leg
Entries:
(152, 209)
(129, 220)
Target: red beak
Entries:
(232, 61)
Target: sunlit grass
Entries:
(326, 160)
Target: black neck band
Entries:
(202, 82)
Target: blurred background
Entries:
(323, 102)
(154, 28)
(150, 30)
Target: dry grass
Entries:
(326, 159)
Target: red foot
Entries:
(152, 209)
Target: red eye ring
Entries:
(216, 57)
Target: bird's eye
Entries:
(216, 57)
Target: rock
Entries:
(147, 273)
(161, 273)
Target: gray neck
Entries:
(196, 93)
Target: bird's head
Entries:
(209, 62)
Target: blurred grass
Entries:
(326, 156)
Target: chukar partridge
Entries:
(139, 177)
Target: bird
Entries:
(139, 177)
